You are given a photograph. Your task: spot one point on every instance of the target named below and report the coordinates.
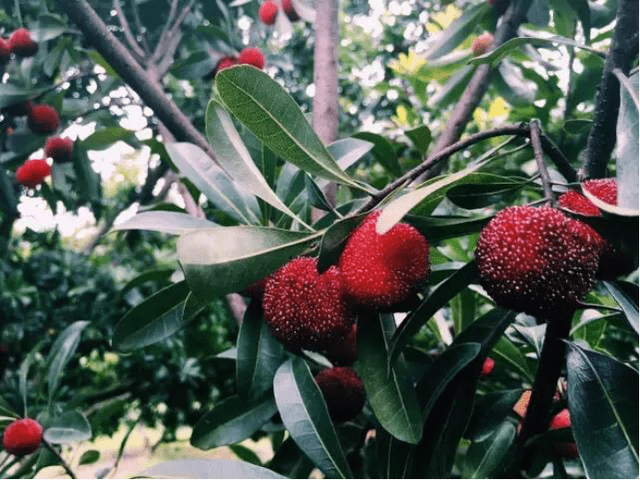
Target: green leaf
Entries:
(70, 427)
(445, 41)
(347, 151)
(211, 180)
(105, 137)
(538, 13)
(12, 94)
(245, 454)
(393, 458)
(47, 27)
(266, 109)
(234, 158)
(316, 196)
(626, 295)
(438, 298)
(258, 357)
(217, 468)
(61, 352)
(334, 239)
(490, 411)
(484, 459)
(156, 317)
(89, 457)
(452, 89)
(231, 421)
(167, 222)
(389, 390)
(197, 65)
(584, 14)
(421, 138)
(222, 260)
(290, 461)
(627, 142)
(576, 126)
(154, 275)
(511, 354)
(383, 151)
(305, 416)
(488, 190)
(442, 227)
(603, 402)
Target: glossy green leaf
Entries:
(626, 294)
(315, 195)
(61, 352)
(105, 137)
(305, 416)
(154, 275)
(234, 158)
(627, 147)
(443, 227)
(383, 151)
(438, 298)
(216, 468)
(347, 151)
(70, 427)
(513, 85)
(334, 239)
(156, 317)
(258, 356)
(211, 180)
(222, 260)
(491, 410)
(484, 459)
(266, 109)
(511, 354)
(448, 39)
(389, 389)
(12, 94)
(166, 222)
(231, 421)
(607, 441)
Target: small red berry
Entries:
(289, 10)
(33, 172)
(305, 309)
(481, 44)
(487, 367)
(537, 260)
(5, 51)
(59, 149)
(344, 351)
(22, 436)
(268, 12)
(22, 44)
(43, 119)
(226, 62)
(343, 392)
(251, 56)
(19, 109)
(381, 271)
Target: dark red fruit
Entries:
(18, 109)
(305, 309)
(343, 392)
(33, 172)
(251, 56)
(289, 10)
(606, 189)
(5, 51)
(268, 12)
(43, 119)
(22, 44)
(22, 437)
(226, 62)
(481, 44)
(344, 351)
(59, 149)
(537, 260)
(380, 271)
(487, 367)
(256, 289)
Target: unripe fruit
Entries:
(5, 51)
(22, 44)
(33, 172)
(537, 260)
(487, 367)
(251, 56)
(304, 309)
(343, 392)
(43, 119)
(19, 109)
(22, 437)
(481, 44)
(268, 12)
(380, 271)
(59, 149)
(289, 10)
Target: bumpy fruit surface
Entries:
(383, 270)
(537, 260)
(22, 437)
(43, 119)
(59, 149)
(481, 44)
(290, 11)
(304, 309)
(343, 392)
(251, 56)
(5, 51)
(22, 44)
(33, 172)
(344, 351)
(487, 367)
(19, 109)
(268, 12)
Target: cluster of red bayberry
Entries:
(540, 261)
(268, 11)
(247, 56)
(22, 437)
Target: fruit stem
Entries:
(63, 463)
(536, 144)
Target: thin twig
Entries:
(63, 463)
(157, 53)
(136, 19)
(128, 34)
(534, 128)
(169, 38)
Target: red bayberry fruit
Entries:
(606, 189)
(43, 119)
(256, 289)
(537, 260)
(268, 12)
(32, 172)
(578, 203)
(380, 271)
(343, 392)
(289, 10)
(226, 62)
(563, 449)
(5, 51)
(487, 367)
(305, 309)
(481, 44)
(22, 44)
(344, 351)
(18, 109)
(59, 149)
(251, 56)
(22, 437)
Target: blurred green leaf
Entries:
(383, 151)
(47, 27)
(626, 295)
(490, 410)
(104, 137)
(627, 142)
(421, 138)
(445, 41)
(61, 352)
(89, 457)
(167, 222)
(70, 427)
(216, 468)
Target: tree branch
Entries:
(168, 37)
(536, 144)
(136, 19)
(128, 34)
(623, 51)
(165, 29)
